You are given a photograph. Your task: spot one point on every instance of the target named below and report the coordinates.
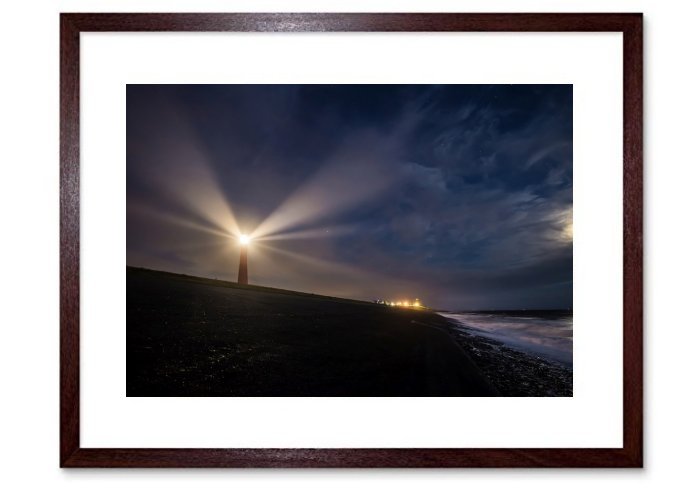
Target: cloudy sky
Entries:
(459, 195)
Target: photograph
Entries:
(349, 240)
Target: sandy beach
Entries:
(189, 336)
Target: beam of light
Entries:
(244, 239)
(353, 177)
(331, 231)
(144, 210)
(190, 182)
(182, 171)
(202, 194)
(212, 260)
(324, 265)
(185, 248)
(322, 276)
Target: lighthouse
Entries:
(243, 264)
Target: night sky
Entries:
(459, 195)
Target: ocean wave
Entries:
(549, 336)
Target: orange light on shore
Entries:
(416, 304)
(402, 304)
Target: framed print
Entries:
(351, 240)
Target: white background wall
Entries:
(29, 254)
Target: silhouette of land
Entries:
(190, 336)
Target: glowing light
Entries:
(565, 220)
(402, 304)
(569, 232)
(244, 239)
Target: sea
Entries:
(545, 334)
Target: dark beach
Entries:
(189, 336)
(511, 372)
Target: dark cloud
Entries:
(460, 195)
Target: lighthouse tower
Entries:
(243, 265)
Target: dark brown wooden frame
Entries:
(72, 455)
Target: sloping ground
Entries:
(189, 336)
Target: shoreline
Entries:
(513, 373)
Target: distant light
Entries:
(244, 239)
